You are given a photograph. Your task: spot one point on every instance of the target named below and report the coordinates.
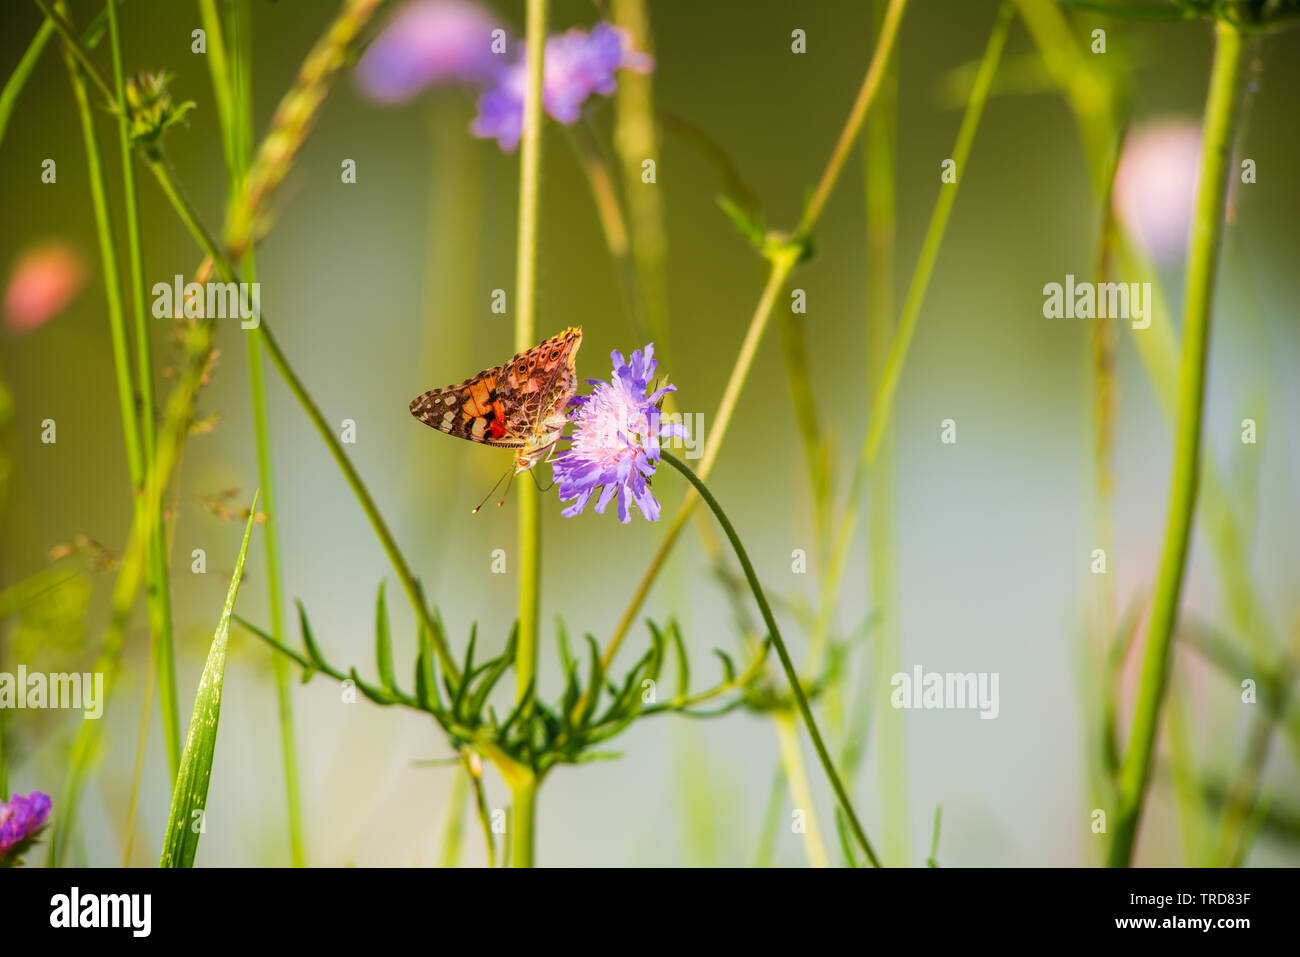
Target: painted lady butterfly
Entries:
(520, 405)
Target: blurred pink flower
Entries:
(1155, 186)
(429, 42)
(45, 280)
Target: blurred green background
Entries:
(381, 290)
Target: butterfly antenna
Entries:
(493, 489)
(507, 491)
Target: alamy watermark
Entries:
(946, 690)
(1102, 300)
(694, 425)
(209, 300)
(74, 691)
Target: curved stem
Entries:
(782, 652)
(1202, 261)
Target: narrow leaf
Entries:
(384, 643)
(190, 796)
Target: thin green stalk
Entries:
(73, 51)
(157, 586)
(1242, 796)
(787, 736)
(237, 134)
(137, 774)
(112, 278)
(609, 211)
(22, 73)
(857, 116)
(474, 770)
(454, 822)
(784, 260)
(882, 407)
(111, 652)
(1188, 795)
(1158, 349)
(636, 137)
(223, 89)
(880, 160)
(530, 516)
(1202, 260)
(771, 821)
(523, 821)
(794, 344)
(787, 664)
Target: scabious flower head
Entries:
(615, 441)
(21, 818)
(426, 43)
(576, 65)
(1155, 186)
(44, 281)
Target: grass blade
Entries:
(191, 792)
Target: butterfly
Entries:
(520, 405)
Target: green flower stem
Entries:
(72, 49)
(110, 655)
(234, 98)
(158, 586)
(798, 375)
(1221, 111)
(112, 278)
(474, 769)
(137, 774)
(22, 73)
(454, 822)
(879, 156)
(530, 517)
(787, 736)
(635, 138)
(857, 116)
(786, 663)
(784, 258)
(523, 822)
(882, 408)
(228, 274)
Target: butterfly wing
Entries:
(478, 410)
(519, 405)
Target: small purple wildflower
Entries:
(576, 65)
(20, 819)
(429, 42)
(615, 442)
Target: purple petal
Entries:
(429, 42)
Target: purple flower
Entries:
(576, 65)
(429, 42)
(615, 442)
(21, 818)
